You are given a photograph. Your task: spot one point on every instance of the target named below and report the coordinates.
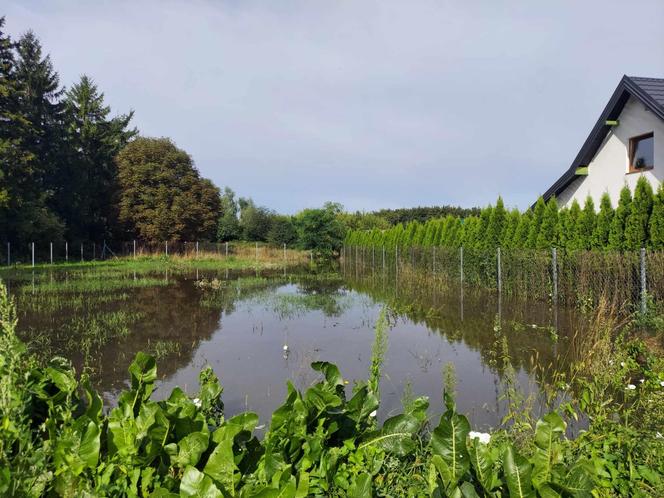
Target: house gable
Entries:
(636, 104)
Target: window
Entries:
(641, 152)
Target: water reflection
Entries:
(258, 330)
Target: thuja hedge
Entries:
(636, 222)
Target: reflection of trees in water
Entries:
(479, 320)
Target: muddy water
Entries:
(242, 324)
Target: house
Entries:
(627, 142)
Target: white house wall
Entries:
(608, 171)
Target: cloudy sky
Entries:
(371, 103)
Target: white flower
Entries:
(642, 380)
(661, 383)
(631, 387)
(622, 363)
(197, 402)
(373, 413)
(483, 437)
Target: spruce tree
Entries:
(536, 223)
(585, 226)
(94, 140)
(617, 231)
(600, 239)
(548, 232)
(656, 226)
(636, 226)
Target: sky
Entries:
(370, 103)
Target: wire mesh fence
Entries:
(33, 254)
(577, 278)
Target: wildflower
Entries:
(197, 402)
(631, 387)
(642, 380)
(661, 383)
(373, 413)
(622, 363)
(483, 437)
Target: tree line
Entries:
(73, 172)
(637, 221)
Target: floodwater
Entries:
(241, 323)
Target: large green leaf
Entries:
(196, 483)
(221, 463)
(396, 435)
(143, 371)
(548, 452)
(518, 474)
(190, 449)
(578, 482)
(330, 371)
(361, 487)
(449, 442)
(482, 461)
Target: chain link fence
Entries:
(575, 278)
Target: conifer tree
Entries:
(548, 232)
(569, 230)
(617, 231)
(536, 223)
(520, 239)
(512, 223)
(600, 239)
(482, 228)
(636, 226)
(656, 226)
(496, 226)
(563, 221)
(585, 226)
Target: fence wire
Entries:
(575, 278)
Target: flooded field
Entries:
(257, 330)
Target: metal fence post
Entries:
(285, 252)
(256, 251)
(134, 248)
(226, 249)
(51, 252)
(9, 254)
(554, 273)
(33, 254)
(396, 260)
(644, 296)
(461, 264)
(499, 272)
(67, 252)
(433, 265)
(196, 248)
(166, 248)
(81, 252)
(383, 258)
